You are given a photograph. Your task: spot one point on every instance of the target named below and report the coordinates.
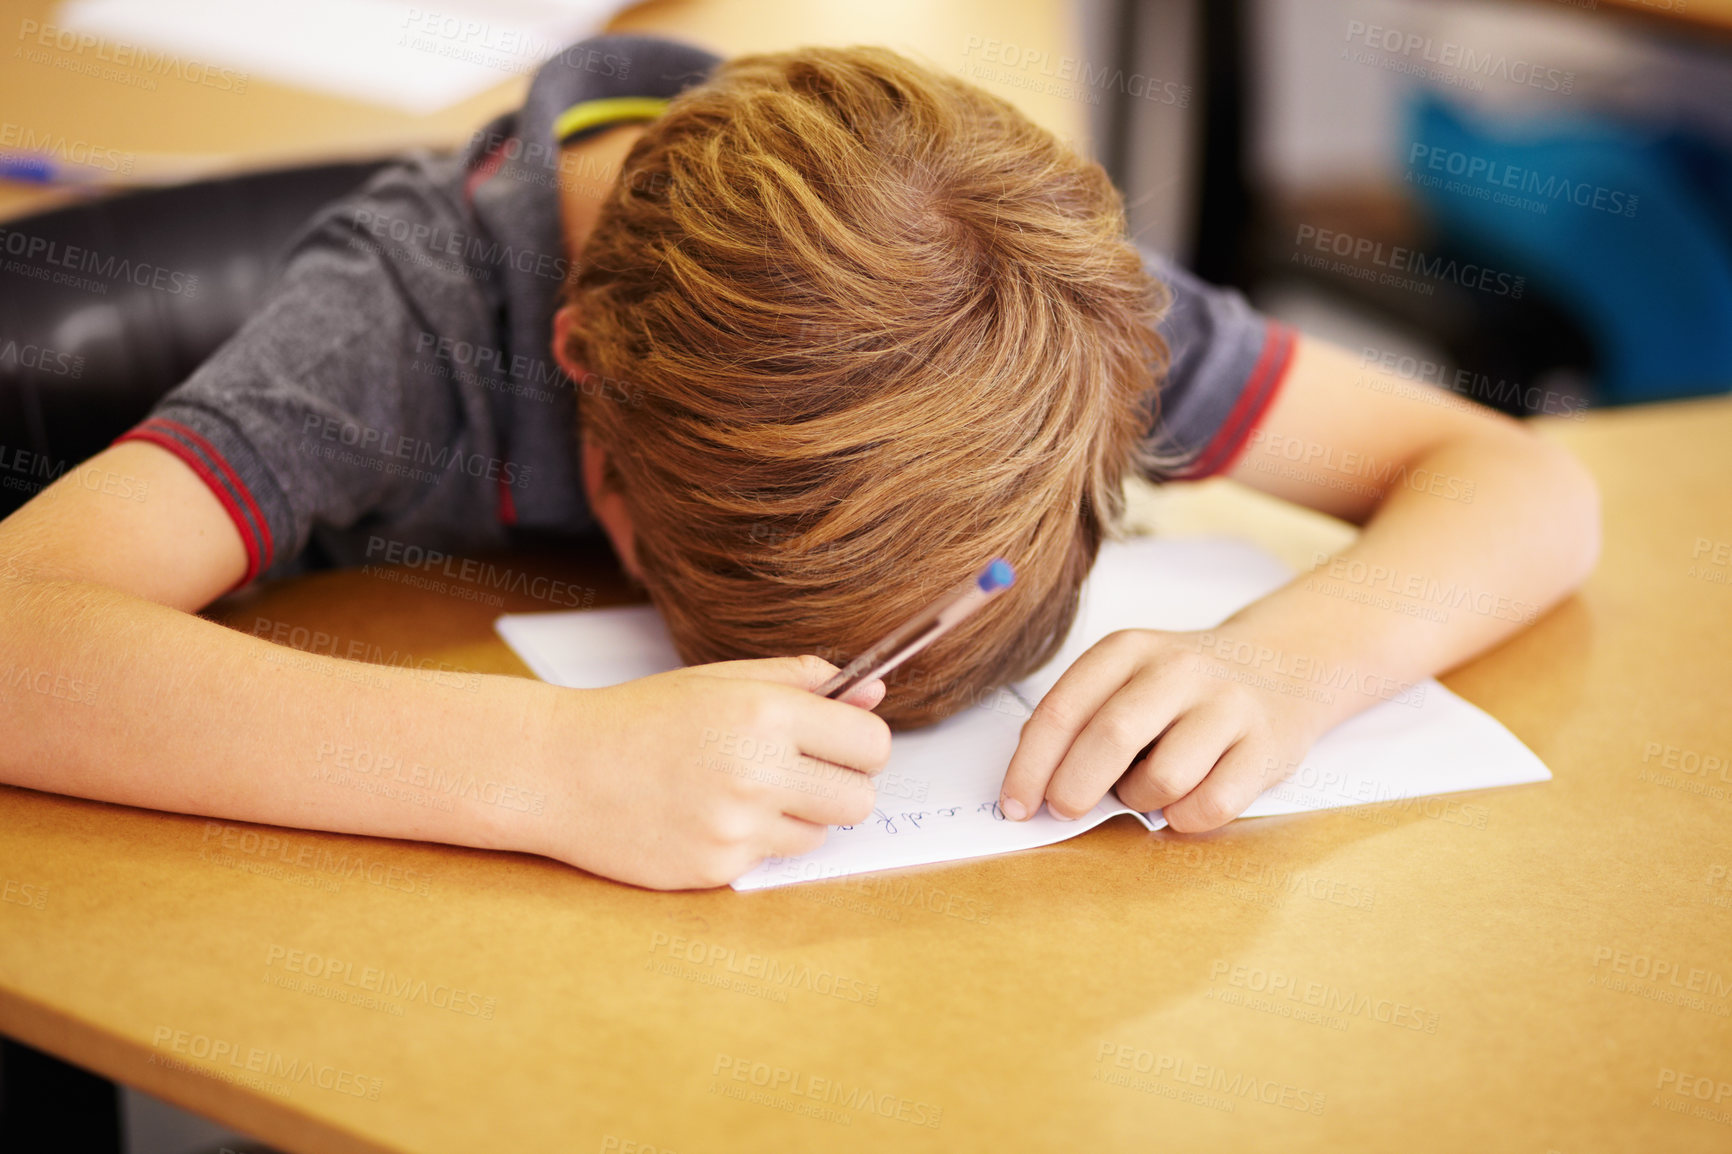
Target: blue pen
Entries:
(926, 627)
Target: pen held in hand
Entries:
(927, 626)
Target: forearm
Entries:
(1470, 542)
(109, 696)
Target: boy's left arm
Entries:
(1452, 497)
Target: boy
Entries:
(834, 329)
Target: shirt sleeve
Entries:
(1226, 364)
(329, 405)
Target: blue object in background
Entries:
(1616, 229)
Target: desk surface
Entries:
(1535, 968)
(57, 100)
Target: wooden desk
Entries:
(1524, 969)
(51, 98)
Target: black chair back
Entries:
(107, 305)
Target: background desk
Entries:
(270, 125)
(1525, 969)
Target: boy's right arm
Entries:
(111, 689)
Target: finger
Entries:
(806, 672)
(1111, 743)
(792, 837)
(1182, 758)
(820, 727)
(831, 731)
(866, 695)
(1242, 773)
(1061, 715)
(823, 793)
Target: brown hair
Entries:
(881, 328)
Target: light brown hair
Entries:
(884, 329)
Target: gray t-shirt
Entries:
(397, 387)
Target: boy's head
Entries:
(873, 328)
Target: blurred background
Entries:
(1525, 202)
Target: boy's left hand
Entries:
(1220, 743)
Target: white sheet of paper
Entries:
(937, 797)
(417, 57)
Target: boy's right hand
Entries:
(688, 779)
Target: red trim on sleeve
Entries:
(484, 170)
(267, 547)
(507, 507)
(145, 433)
(1219, 455)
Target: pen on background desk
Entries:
(111, 168)
(117, 170)
(927, 626)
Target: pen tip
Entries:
(996, 576)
